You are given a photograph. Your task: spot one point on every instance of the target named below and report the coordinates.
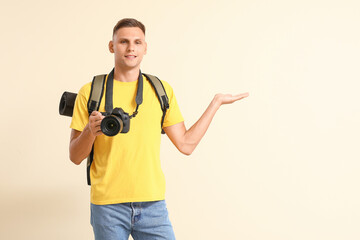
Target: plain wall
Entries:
(282, 164)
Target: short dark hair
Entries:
(128, 22)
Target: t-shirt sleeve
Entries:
(173, 114)
(80, 116)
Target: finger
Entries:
(96, 123)
(97, 114)
(94, 113)
(96, 117)
(98, 133)
(242, 95)
(96, 130)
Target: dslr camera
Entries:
(116, 122)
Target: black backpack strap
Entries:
(88, 165)
(161, 94)
(96, 92)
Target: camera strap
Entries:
(109, 93)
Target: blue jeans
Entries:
(143, 220)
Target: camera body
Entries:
(116, 122)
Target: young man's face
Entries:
(129, 47)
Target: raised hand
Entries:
(229, 98)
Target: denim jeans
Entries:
(143, 220)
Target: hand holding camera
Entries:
(95, 123)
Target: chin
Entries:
(131, 66)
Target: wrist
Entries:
(88, 133)
(216, 102)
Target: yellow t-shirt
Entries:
(126, 167)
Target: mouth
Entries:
(130, 56)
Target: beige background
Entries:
(282, 164)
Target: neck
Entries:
(128, 75)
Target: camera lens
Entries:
(111, 125)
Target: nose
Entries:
(131, 47)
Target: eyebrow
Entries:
(127, 39)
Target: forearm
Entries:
(193, 136)
(187, 140)
(80, 145)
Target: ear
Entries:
(145, 48)
(111, 46)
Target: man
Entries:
(127, 183)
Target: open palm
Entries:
(229, 98)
